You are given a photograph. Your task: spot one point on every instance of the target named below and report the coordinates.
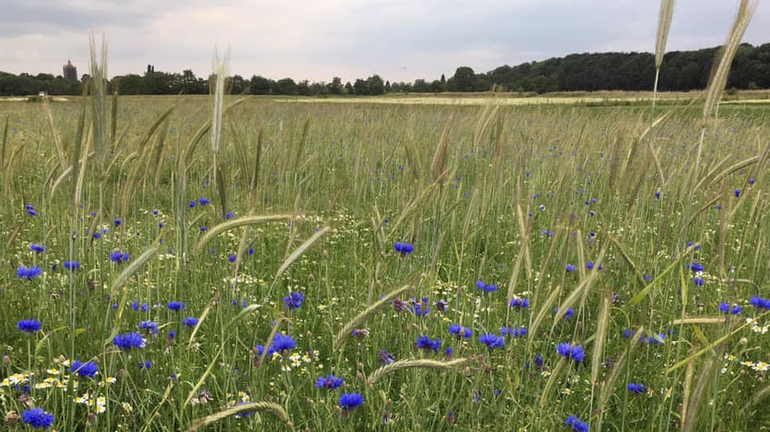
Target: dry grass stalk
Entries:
(414, 363)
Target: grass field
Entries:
(394, 223)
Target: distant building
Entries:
(70, 71)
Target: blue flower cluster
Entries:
(574, 352)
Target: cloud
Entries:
(319, 39)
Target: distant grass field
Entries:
(512, 212)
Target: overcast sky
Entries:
(317, 39)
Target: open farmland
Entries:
(435, 259)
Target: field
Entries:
(435, 257)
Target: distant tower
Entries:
(70, 71)
(150, 69)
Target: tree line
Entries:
(681, 71)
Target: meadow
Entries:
(479, 267)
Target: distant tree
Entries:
(259, 85)
(420, 86)
(349, 88)
(285, 86)
(237, 84)
(464, 79)
(375, 85)
(360, 88)
(335, 87)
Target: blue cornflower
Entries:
(31, 212)
(590, 265)
(119, 257)
(448, 352)
(696, 267)
(118, 222)
(516, 332)
(657, 194)
(97, 235)
(251, 251)
(656, 339)
(229, 215)
(37, 248)
(192, 204)
(576, 424)
(574, 352)
(403, 248)
(29, 273)
(127, 341)
(294, 300)
(204, 201)
(37, 418)
(637, 388)
(486, 288)
(571, 268)
(146, 365)
(281, 343)
(760, 302)
(423, 342)
(231, 258)
(72, 265)
(492, 341)
(726, 309)
(87, 369)
(699, 281)
(176, 306)
(737, 193)
(628, 333)
(350, 401)
(203, 229)
(519, 303)
(460, 331)
(150, 327)
(386, 357)
(190, 321)
(171, 334)
(420, 309)
(29, 326)
(568, 315)
(329, 382)
(155, 212)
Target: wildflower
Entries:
(29, 273)
(127, 341)
(281, 343)
(231, 258)
(542, 207)
(590, 265)
(448, 352)
(72, 265)
(350, 401)
(329, 382)
(251, 251)
(150, 327)
(87, 369)
(294, 300)
(656, 339)
(37, 248)
(696, 267)
(514, 331)
(204, 201)
(176, 306)
(403, 248)
(190, 321)
(171, 335)
(628, 333)
(657, 194)
(37, 418)
(29, 326)
(386, 357)
(576, 424)
(425, 343)
(421, 309)
(229, 215)
(460, 331)
(119, 257)
(637, 388)
(31, 211)
(519, 303)
(574, 352)
(726, 309)
(571, 268)
(539, 361)
(203, 229)
(492, 341)
(192, 204)
(737, 193)
(486, 288)
(118, 222)
(146, 365)
(699, 281)
(752, 181)
(567, 315)
(760, 302)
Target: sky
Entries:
(401, 40)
